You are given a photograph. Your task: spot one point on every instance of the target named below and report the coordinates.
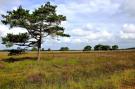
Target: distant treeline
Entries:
(98, 47)
(131, 48)
(101, 47)
(86, 48)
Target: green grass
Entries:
(69, 70)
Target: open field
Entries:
(68, 70)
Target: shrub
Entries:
(87, 48)
(102, 47)
(115, 47)
(64, 49)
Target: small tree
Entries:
(106, 47)
(49, 49)
(115, 47)
(42, 22)
(87, 48)
(98, 47)
(64, 49)
(102, 47)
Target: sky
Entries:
(89, 22)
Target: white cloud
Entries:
(17, 30)
(65, 40)
(91, 6)
(91, 34)
(81, 12)
(2, 12)
(87, 33)
(128, 32)
(5, 29)
(129, 28)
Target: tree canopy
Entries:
(87, 48)
(42, 22)
(102, 47)
(115, 47)
(64, 49)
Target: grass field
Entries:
(68, 70)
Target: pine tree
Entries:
(42, 22)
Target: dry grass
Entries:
(69, 70)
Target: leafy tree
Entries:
(42, 22)
(102, 47)
(49, 49)
(11, 39)
(87, 48)
(98, 47)
(64, 49)
(115, 47)
(106, 47)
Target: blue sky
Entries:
(89, 22)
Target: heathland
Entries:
(68, 70)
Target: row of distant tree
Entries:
(101, 47)
(61, 49)
(86, 48)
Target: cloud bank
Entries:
(88, 21)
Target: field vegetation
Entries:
(68, 70)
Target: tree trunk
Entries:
(39, 49)
(38, 55)
(39, 43)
